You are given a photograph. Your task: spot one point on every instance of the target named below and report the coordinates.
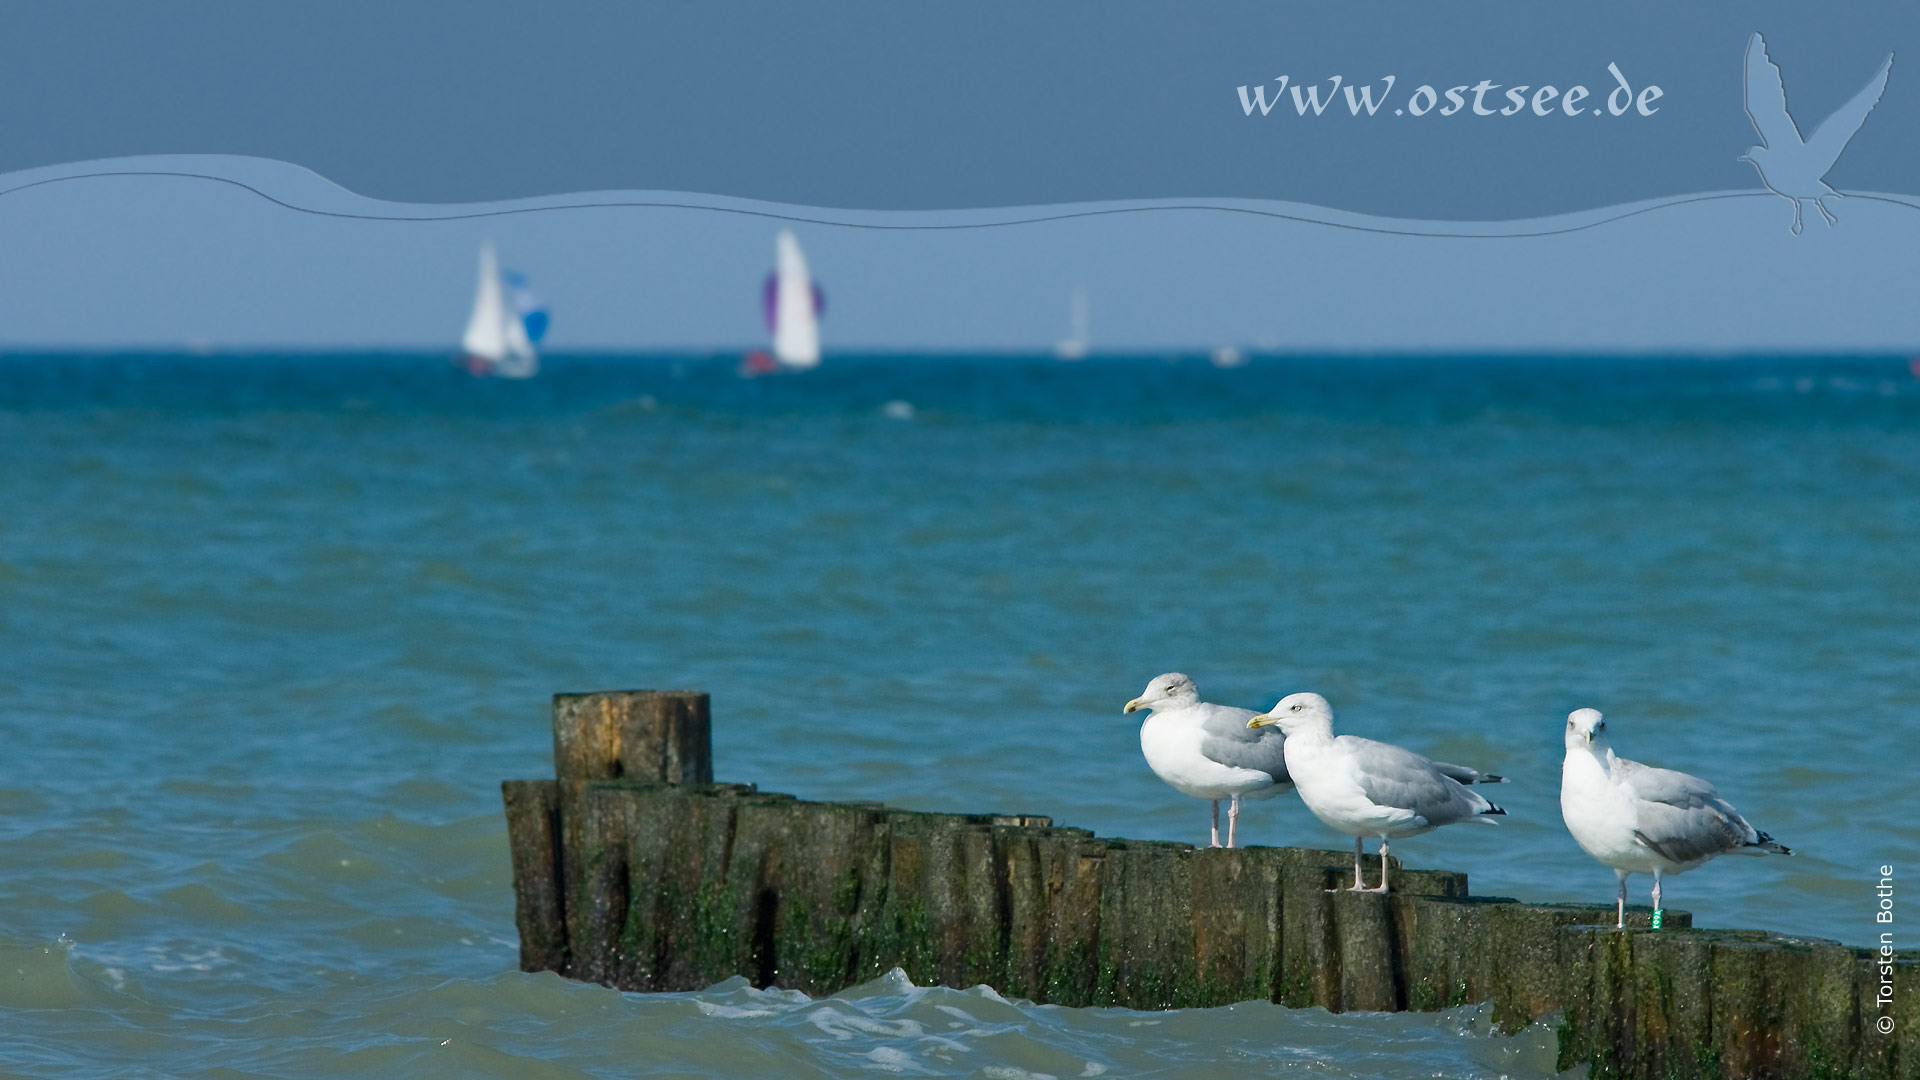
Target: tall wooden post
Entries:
(648, 736)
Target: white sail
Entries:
(495, 334)
(1075, 347)
(486, 338)
(796, 323)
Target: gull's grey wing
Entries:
(1681, 816)
(1831, 137)
(1766, 99)
(1461, 774)
(1226, 739)
(1397, 777)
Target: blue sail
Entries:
(526, 304)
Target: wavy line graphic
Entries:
(888, 220)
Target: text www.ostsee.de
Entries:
(1367, 99)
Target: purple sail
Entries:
(770, 300)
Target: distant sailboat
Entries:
(793, 305)
(1075, 347)
(507, 320)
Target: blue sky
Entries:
(911, 107)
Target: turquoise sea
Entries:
(273, 628)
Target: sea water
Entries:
(273, 628)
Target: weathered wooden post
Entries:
(645, 736)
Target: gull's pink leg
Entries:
(1216, 823)
(1233, 818)
(1383, 867)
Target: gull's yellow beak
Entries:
(1263, 720)
(1132, 705)
(1587, 735)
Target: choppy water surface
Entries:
(272, 629)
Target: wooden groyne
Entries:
(632, 868)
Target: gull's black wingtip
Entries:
(1493, 809)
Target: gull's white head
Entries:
(1296, 713)
(1586, 729)
(1170, 689)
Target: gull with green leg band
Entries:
(1637, 819)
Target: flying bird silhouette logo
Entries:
(1790, 166)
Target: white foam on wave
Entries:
(845, 1025)
(729, 1012)
(1009, 1072)
(894, 1060)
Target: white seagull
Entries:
(1790, 166)
(1207, 751)
(1642, 820)
(1366, 788)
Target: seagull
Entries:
(1207, 751)
(1366, 788)
(1790, 166)
(1639, 819)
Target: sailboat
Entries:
(1075, 347)
(507, 320)
(793, 304)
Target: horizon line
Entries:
(13, 352)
